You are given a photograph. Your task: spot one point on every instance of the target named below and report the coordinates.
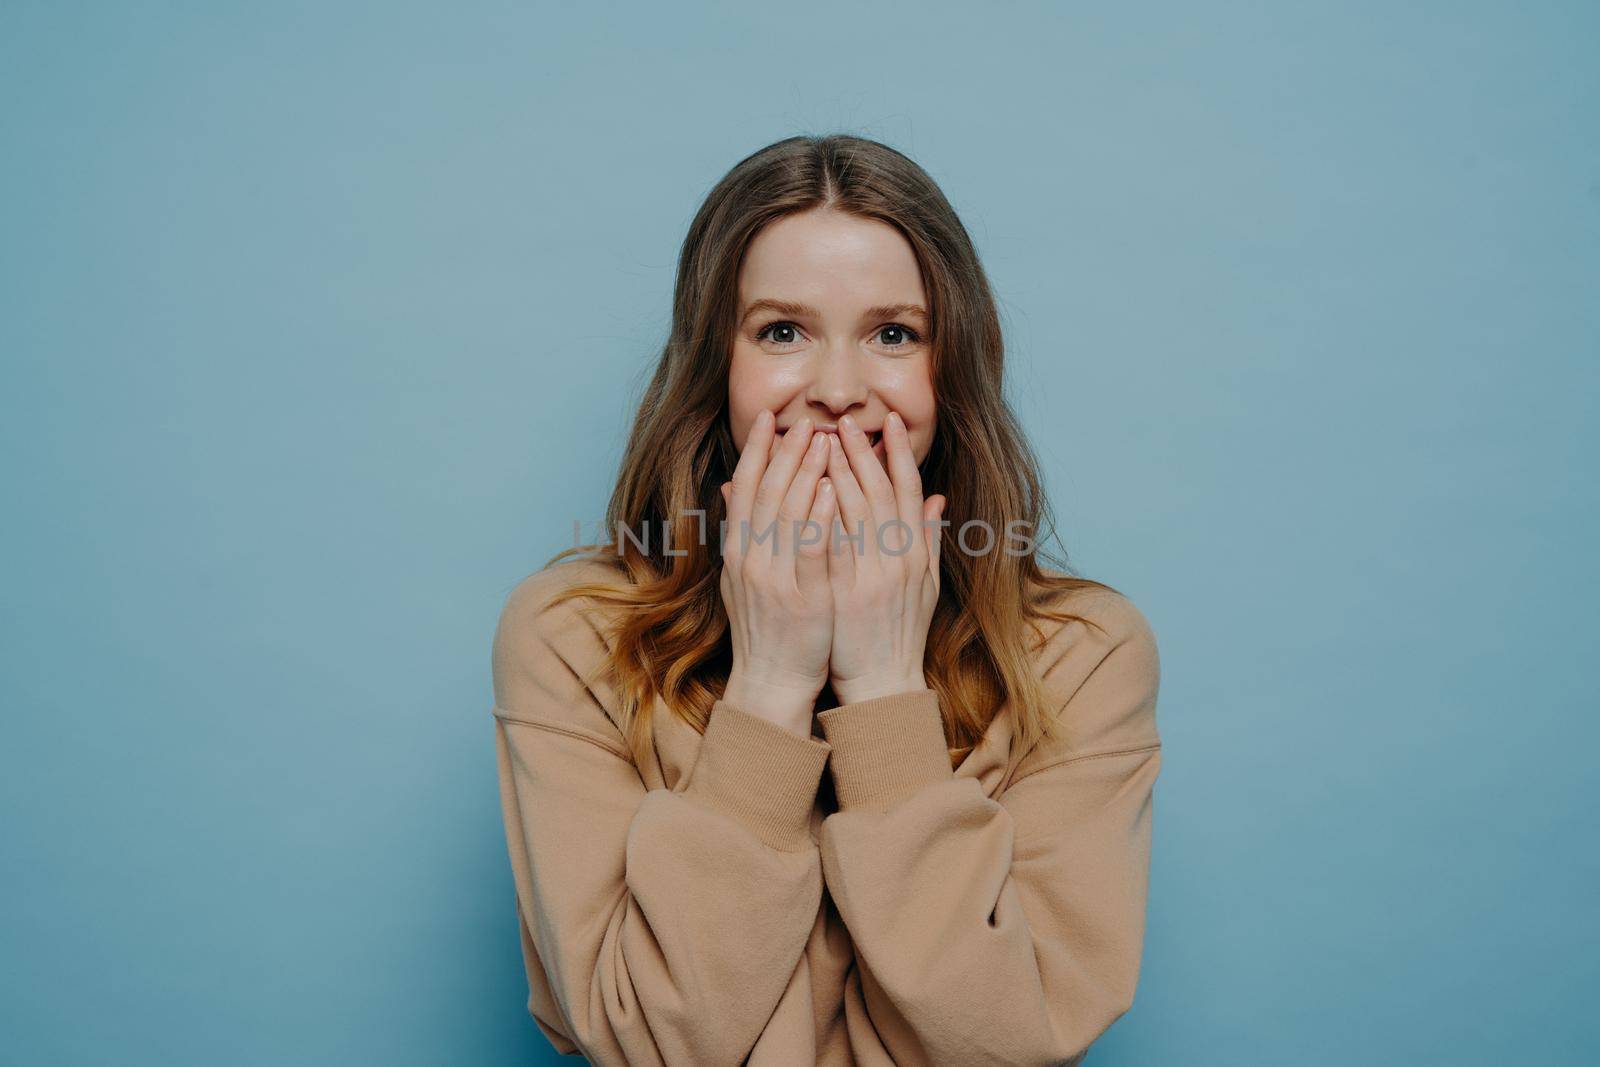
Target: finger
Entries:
(811, 565)
(798, 501)
(841, 557)
(907, 482)
(726, 489)
(854, 511)
(933, 511)
(774, 486)
(870, 475)
(747, 475)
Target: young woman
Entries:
(880, 795)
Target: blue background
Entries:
(321, 323)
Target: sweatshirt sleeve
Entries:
(658, 926)
(1003, 930)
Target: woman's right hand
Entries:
(776, 592)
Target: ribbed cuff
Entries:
(885, 749)
(760, 773)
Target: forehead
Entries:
(830, 260)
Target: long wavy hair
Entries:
(669, 631)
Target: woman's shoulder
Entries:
(1100, 671)
(1114, 616)
(545, 642)
(1114, 613)
(535, 599)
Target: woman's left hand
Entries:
(884, 570)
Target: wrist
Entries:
(855, 690)
(787, 706)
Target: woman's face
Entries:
(832, 321)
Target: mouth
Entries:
(874, 442)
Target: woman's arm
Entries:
(1000, 930)
(658, 926)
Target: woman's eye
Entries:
(766, 332)
(786, 333)
(907, 335)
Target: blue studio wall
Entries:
(321, 323)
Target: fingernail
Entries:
(764, 418)
(895, 422)
(849, 423)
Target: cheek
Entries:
(921, 416)
(927, 412)
(911, 393)
(754, 385)
(922, 437)
(747, 394)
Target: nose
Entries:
(837, 381)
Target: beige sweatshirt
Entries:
(717, 907)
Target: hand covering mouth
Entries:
(873, 436)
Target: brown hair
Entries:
(670, 635)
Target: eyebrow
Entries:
(789, 307)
